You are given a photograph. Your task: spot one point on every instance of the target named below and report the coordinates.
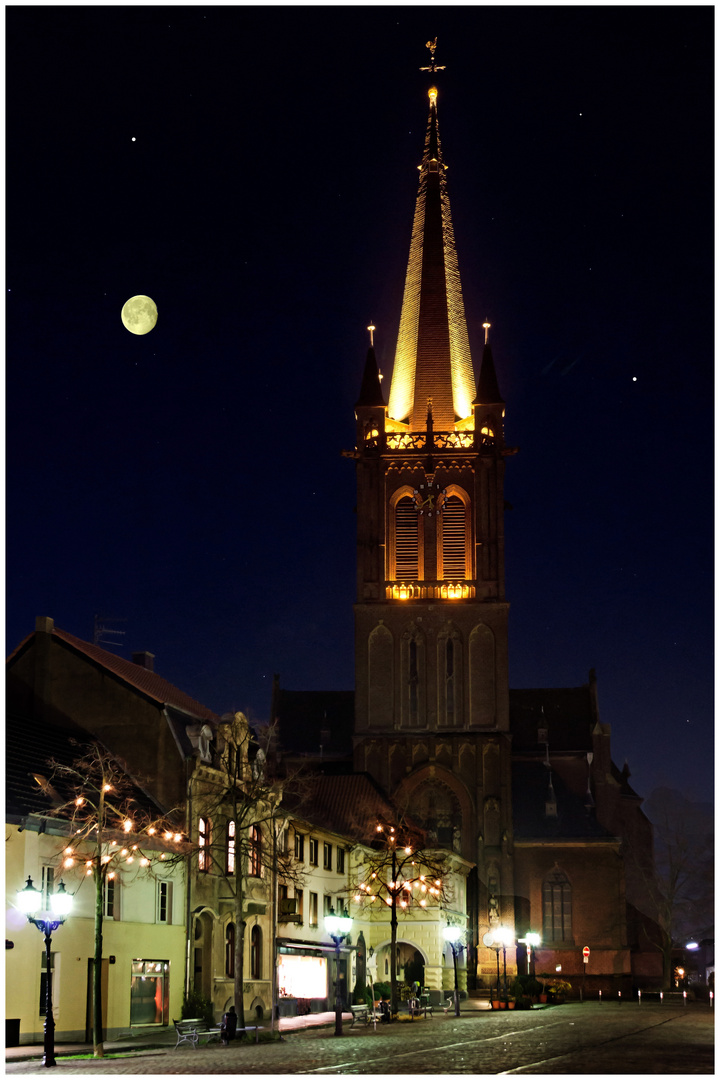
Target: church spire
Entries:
(432, 358)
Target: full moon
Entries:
(139, 314)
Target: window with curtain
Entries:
(255, 859)
(204, 839)
(230, 848)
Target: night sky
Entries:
(254, 171)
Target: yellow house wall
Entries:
(129, 938)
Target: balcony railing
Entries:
(429, 590)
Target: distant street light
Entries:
(29, 900)
(338, 927)
(452, 935)
(531, 941)
(505, 936)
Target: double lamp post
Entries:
(338, 927)
(29, 900)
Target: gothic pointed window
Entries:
(449, 680)
(557, 907)
(413, 682)
(412, 707)
(450, 667)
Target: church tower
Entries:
(431, 655)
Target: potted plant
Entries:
(543, 976)
(558, 989)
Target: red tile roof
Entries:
(147, 682)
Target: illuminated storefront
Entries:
(306, 979)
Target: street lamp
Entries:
(452, 935)
(29, 900)
(505, 937)
(338, 927)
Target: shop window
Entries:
(149, 992)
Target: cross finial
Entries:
(486, 327)
(433, 67)
(371, 328)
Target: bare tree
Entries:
(681, 878)
(245, 790)
(114, 829)
(397, 871)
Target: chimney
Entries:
(144, 660)
(44, 625)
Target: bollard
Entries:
(712, 996)
(600, 996)
(684, 997)
(619, 998)
(661, 997)
(639, 997)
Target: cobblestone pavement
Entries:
(570, 1039)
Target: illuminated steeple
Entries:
(432, 359)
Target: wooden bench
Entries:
(191, 1030)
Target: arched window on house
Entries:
(256, 953)
(230, 848)
(557, 907)
(230, 950)
(204, 841)
(255, 854)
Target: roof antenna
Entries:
(99, 630)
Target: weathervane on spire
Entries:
(432, 46)
(486, 327)
(371, 328)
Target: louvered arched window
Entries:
(406, 540)
(455, 546)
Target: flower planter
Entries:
(543, 999)
(495, 1004)
(511, 1004)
